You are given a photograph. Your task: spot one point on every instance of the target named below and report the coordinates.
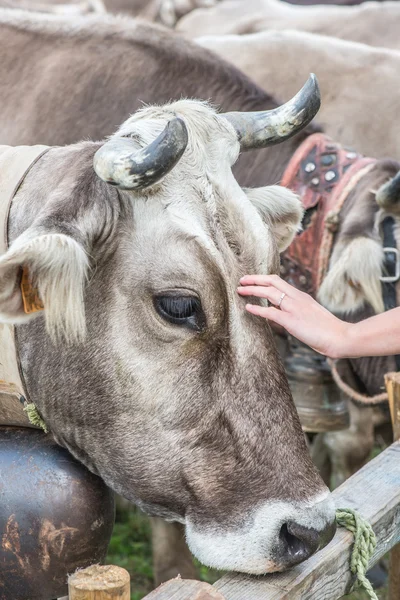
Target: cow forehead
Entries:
(212, 138)
(190, 239)
(201, 196)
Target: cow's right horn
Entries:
(264, 128)
(388, 195)
(119, 162)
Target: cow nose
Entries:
(299, 542)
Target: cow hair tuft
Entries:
(58, 266)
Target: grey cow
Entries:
(164, 387)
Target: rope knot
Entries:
(363, 549)
(34, 416)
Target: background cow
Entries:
(279, 60)
(371, 23)
(67, 9)
(167, 12)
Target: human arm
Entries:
(314, 325)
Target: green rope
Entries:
(34, 417)
(363, 549)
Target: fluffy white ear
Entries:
(281, 209)
(353, 277)
(58, 267)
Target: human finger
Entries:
(268, 280)
(270, 293)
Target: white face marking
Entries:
(252, 548)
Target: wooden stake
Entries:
(392, 382)
(100, 582)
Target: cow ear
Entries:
(353, 278)
(281, 209)
(57, 266)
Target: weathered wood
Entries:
(392, 382)
(185, 589)
(100, 582)
(394, 573)
(375, 492)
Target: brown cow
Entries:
(376, 24)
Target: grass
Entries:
(382, 595)
(130, 547)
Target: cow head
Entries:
(144, 363)
(353, 280)
(352, 287)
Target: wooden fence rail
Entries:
(374, 492)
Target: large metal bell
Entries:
(55, 516)
(320, 405)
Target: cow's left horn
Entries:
(388, 195)
(264, 128)
(119, 162)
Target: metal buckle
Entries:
(396, 276)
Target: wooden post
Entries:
(100, 582)
(392, 382)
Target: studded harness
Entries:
(323, 174)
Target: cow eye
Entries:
(181, 310)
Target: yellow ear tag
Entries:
(30, 295)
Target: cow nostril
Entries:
(299, 542)
(293, 544)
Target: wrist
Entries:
(342, 345)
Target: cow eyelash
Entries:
(181, 310)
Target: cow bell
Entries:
(55, 516)
(319, 403)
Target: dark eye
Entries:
(181, 310)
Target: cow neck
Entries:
(15, 163)
(323, 174)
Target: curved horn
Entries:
(388, 194)
(118, 162)
(264, 128)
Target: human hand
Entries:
(297, 312)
